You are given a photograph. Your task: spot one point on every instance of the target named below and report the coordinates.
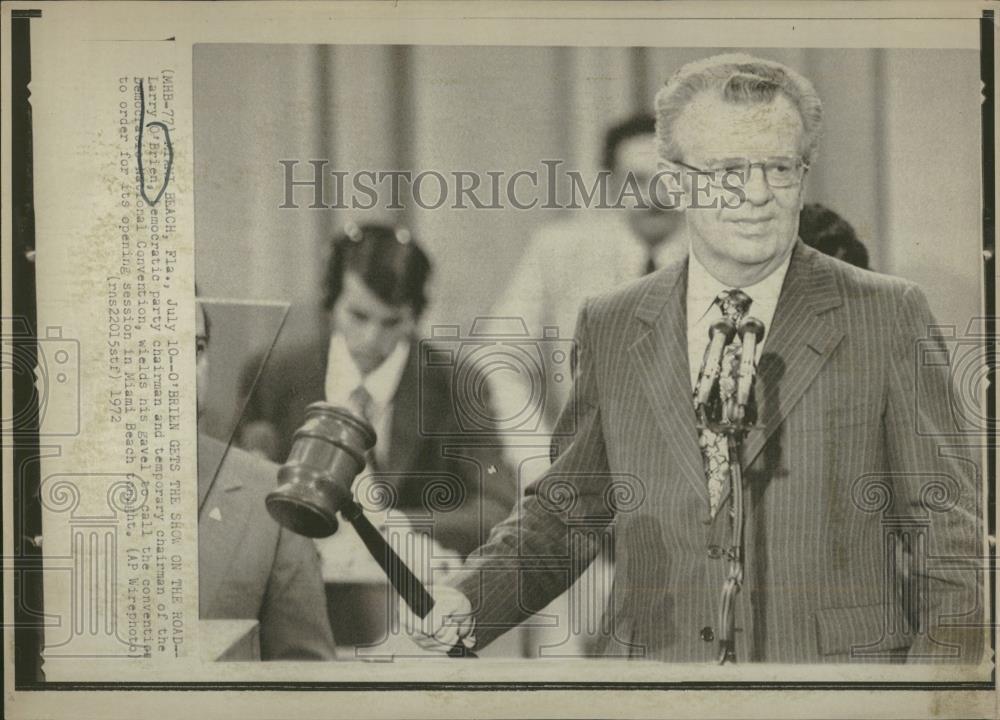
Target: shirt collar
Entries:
(703, 288)
(381, 383)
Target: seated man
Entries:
(369, 361)
(248, 565)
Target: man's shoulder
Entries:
(258, 476)
(258, 472)
(860, 284)
(240, 484)
(624, 300)
(253, 472)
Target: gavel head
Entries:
(327, 453)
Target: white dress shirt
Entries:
(702, 310)
(343, 377)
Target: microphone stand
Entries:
(732, 418)
(734, 577)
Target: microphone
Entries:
(720, 334)
(327, 453)
(751, 332)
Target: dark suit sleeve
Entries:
(293, 619)
(527, 561)
(934, 477)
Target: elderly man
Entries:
(833, 468)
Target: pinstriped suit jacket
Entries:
(836, 474)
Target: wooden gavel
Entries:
(327, 453)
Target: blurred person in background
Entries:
(822, 228)
(248, 565)
(589, 253)
(369, 361)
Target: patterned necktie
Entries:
(714, 446)
(363, 404)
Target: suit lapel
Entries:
(797, 346)
(659, 356)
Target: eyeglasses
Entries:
(779, 172)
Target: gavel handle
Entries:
(402, 578)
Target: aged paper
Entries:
(211, 151)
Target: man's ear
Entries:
(802, 192)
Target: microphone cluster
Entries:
(735, 411)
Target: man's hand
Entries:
(447, 625)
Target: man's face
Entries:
(201, 357)
(371, 328)
(741, 241)
(637, 155)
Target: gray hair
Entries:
(738, 78)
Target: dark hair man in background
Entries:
(627, 152)
(369, 361)
(248, 565)
(849, 433)
(822, 228)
